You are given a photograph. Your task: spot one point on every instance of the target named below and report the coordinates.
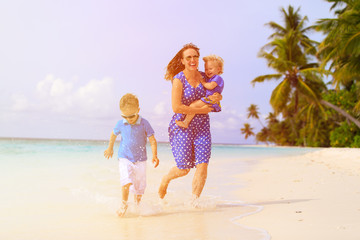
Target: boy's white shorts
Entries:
(134, 173)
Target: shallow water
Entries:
(66, 189)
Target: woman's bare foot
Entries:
(163, 187)
(181, 124)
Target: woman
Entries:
(191, 146)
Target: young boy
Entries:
(132, 152)
(215, 85)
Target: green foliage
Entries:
(345, 99)
(340, 50)
(356, 142)
(345, 136)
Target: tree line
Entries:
(307, 111)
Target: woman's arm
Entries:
(178, 107)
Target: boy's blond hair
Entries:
(129, 101)
(216, 59)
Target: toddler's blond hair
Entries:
(216, 59)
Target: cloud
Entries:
(97, 96)
(217, 125)
(55, 95)
(53, 87)
(227, 119)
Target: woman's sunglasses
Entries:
(195, 57)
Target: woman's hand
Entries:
(206, 109)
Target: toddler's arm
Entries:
(110, 150)
(153, 145)
(208, 85)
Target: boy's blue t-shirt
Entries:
(133, 139)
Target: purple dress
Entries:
(190, 146)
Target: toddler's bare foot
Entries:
(121, 212)
(181, 124)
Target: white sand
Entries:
(314, 196)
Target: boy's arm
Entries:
(110, 150)
(153, 145)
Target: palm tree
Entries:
(247, 130)
(288, 54)
(254, 113)
(341, 47)
(271, 118)
(264, 135)
(340, 50)
(293, 23)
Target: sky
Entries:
(65, 64)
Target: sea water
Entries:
(66, 189)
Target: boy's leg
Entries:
(137, 199)
(185, 123)
(125, 192)
(125, 197)
(139, 181)
(126, 175)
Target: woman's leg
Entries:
(173, 173)
(199, 179)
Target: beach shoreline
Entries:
(52, 187)
(310, 196)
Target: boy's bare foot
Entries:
(163, 187)
(121, 212)
(181, 124)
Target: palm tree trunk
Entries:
(296, 101)
(342, 112)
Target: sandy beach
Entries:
(67, 190)
(313, 196)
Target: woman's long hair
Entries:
(175, 66)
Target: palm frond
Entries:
(307, 91)
(280, 95)
(266, 78)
